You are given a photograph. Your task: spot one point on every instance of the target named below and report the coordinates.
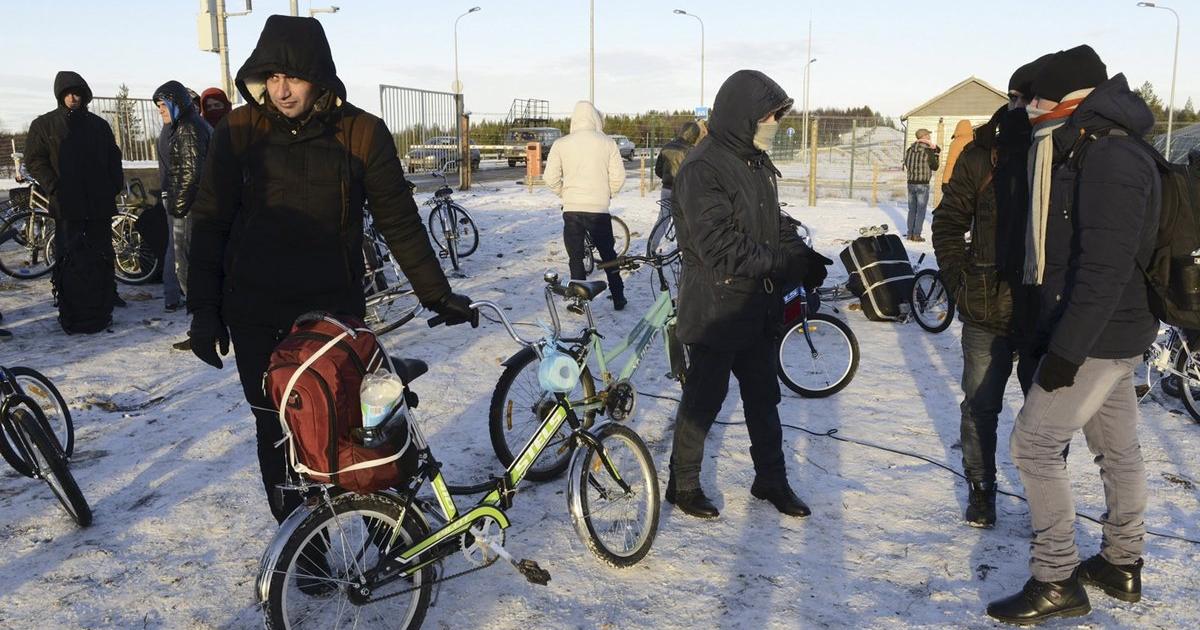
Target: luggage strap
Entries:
(287, 433)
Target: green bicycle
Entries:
(370, 560)
(518, 401)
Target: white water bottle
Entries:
(379, 393)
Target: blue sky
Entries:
(889, 55)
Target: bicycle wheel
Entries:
(620, 240)
(441, 230)
(325, 559)
(391, 309)
(26, 250)
(50, 465)
(827, 366)
(135, 262)
(468, 234)
(516, 412)
(589, 255)
(1189, 386)
(931, 302)
(616, 525)
(662, 243)
(12, 446)
(50, 401)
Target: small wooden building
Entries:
(972, 99)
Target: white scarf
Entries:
(1041, 161)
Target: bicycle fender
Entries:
(521, 355)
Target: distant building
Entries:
(972, 99)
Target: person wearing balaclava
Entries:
(984, 276)
(74, 157)
(1095, 192)
(738, 255)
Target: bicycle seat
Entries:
(409, 369)
(444, 191)
(585, 289)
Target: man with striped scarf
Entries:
(1094, 202)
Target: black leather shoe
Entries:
(619, 303)
(691, 502)
(981, 505)
(782, 498)
(1040, 601)
(119, 301)
(1121, 581)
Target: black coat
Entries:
(277, 225)
(982, 198)
(75, 158)
(182, 150)
(728, 223)
(1104, 205)
(673, 152)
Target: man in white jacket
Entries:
(586, 170)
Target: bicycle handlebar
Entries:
(437, 320)
(632, 261)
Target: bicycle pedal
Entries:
(443, 254)
(532, 572)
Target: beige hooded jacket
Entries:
(585, 166)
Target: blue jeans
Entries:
(918, 198)
(987, 365)
(175, 262)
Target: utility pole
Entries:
(295, 8)
(592, 53)
(223, 50)
(809, 57)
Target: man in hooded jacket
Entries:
(214, 105)
(586, 170)
(182, 147)
(277, 225)
(1095, 192)
(984, 196)
(75, 159)
(737, 255)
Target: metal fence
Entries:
(424, 125)
(135, 124)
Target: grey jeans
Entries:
(1103, 404)
(175, 263)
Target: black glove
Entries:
(816, 270)
(456, 309)
(208, 333)
(1055, 372)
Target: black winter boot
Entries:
(691, 502)
(981, 505)
(783, 498)
(1123, 582)
(1040, 601)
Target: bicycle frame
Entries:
(401, 563)
(658, 318)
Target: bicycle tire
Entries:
(42, 391)
(843, 372)
(1188, 393)
(327, 526)
(508, 437)
(591, 483)
(12, 446)
(52, 468)
(439, 233)
(134, 263)
(620, 241)
(921, 300)
(24, 237)
(467, 231)
(663, 228)
(589, 255)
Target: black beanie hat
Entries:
(1022, 79)
(1067, 71)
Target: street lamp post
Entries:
(804, 131)
(314, 12)
(1174, 69)
(457, 88)
(682, 12)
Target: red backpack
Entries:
(318, 370)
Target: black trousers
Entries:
(253, 346)
(704, 391)
(598, 227)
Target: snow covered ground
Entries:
(165, 455)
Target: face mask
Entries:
(1034, 112)
(764, 135)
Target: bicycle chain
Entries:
(437, 581)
